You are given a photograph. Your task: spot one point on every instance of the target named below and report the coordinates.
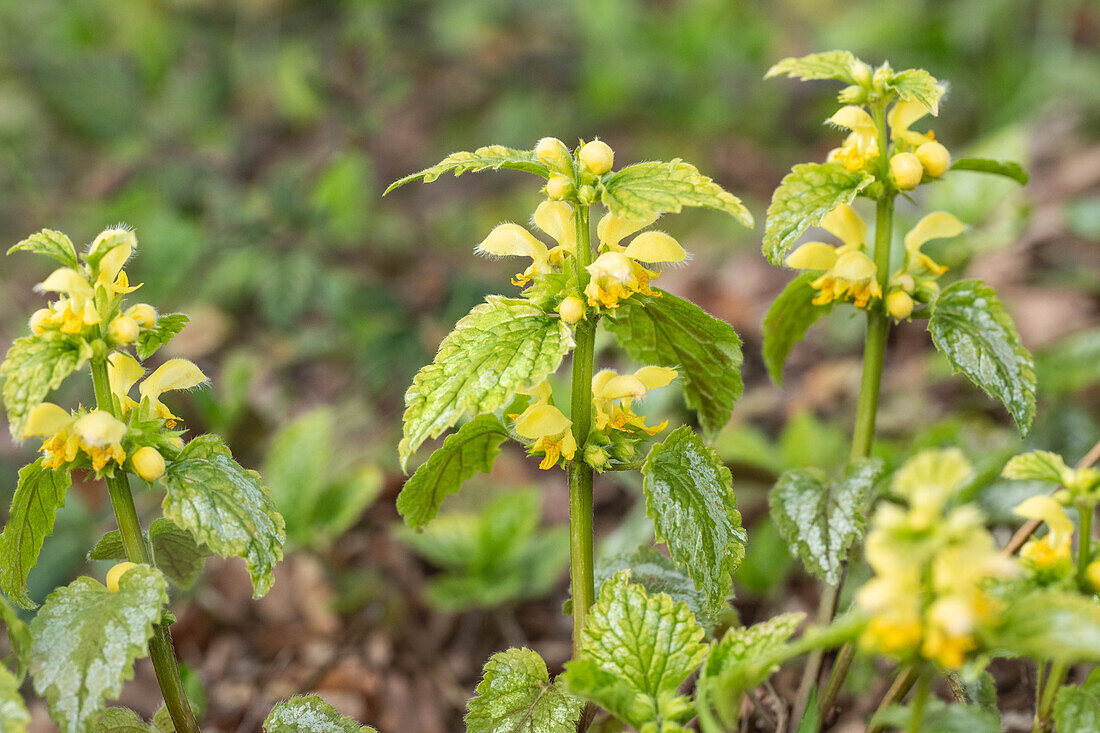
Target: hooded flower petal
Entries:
(813, 256)
(655, 247)
(654, 377)
(1047, 509)
(846, 225)
(123, 372)
(556, 219)
(45, 420)
(613, 229)
(515, 241)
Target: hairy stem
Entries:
(580, 473)
(161, 651)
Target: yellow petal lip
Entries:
(655, 247)
(513, 240)
(172, 374)
(99, 428)
(846, 225)
(556, 219)
(123, 372)
(45, 420)
(600, 380)
(1047, 509)
(937, 225)
(813, 256)
(66, 280)
(613, 229)
(854, 266)
(853, 118)
(539, 421)
(614, 265)
(654, 377)
(621, 386)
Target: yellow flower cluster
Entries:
(930, 597)
(613, 396)
(617, 272)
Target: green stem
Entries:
(902, 684)
(1084, 544)
(580, 473)
(920, 700)
(1057, 676)
(161, 651)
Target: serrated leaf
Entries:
(1006, 168)
(940, 717)
(33, 366)
(14, 717)
(804, 197)
(789, 317)
(175, 552)
(825, 65)
(658, 574)
(51, 244)
(19, 638)
(38, 495)
(119, 720)
(86, 639)
(1051, 624)
(166, 328)
(1038, 465)
(472, 449)
(689, 497)
(500, 346)
(1078, 708)
(515, 696)
(821, 519)
(673, 332)
(491, 157)
(634, 642)
(310, 714)
(225, 507)
(646, 190)
(919, 86)
(972, 329)
(742, 643)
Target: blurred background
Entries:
(248, 144)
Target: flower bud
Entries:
(39, 320)
(906, 171)
(144, 314)
(853, 94)
(115, 574)
(553, 153)
(934, 158)
(558, 187)
(595, 456)
(148, 463)
(586, 195)
(899, 304)
(1092, 572)
(124, 330)
(861, 73)
(571, 309)
(597, 156)
(1063, 497)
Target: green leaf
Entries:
(1038, 465)
(673, 332)
(492, 157)
(640, 644)
(1006, 168)
(804, 197)
(225, 507)
(19, 638)
(472, 449)
(1051, 624)
(689, 497)
(499, 347)
(741, 644)
(972, 329)
(52, 244)
(788, 319)
(515, 695)
(14, 717)
(310, 714)
(646, 190)
(175, 552)
(939, 717)
(825, 65)
(38, 496)
(34, 366)
(821, 519)
(163, 331)
(86, 639)
(919, 86)
(657, 574)
(119, 720)
(1078, 708)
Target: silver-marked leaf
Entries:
(119, 720)
(1006, 168)
(310, 714)
(672, 332)
(472, 449)
(51, 244)
(515, 695)
(658, 574)
(646, 190)
(38, 495)
(972, 329)
(689, 497)
(499, 347)
(225, 507)
(19, 637)
(35, 365)
(1078, 708)
(86, 639)
(14, 717)
(166, 328)
(491, 157)
(821, 519)
(789, 317)
(825, 65)
(919, 86)
(1038, 465)
(637, 650)
(804, 197)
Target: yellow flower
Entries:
(111, 275)
(597, 156)
(613, 395)
(97, 433)
(861, 145)
(548, 427)
(148, 463)
(849, 274)
(171, 375)
(123, 372)
(617, 273)
(571, 309)
(937, 225)
(901, 117)
(512, 240)
(934, 158)
(1054, 548)
(906, 170)
(71, 314)
(114, 575)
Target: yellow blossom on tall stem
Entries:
(848, 272)
(618, 273)
(547, 426)
(97, 434)
(1053, 548)
(613, 395)
(512, 240)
